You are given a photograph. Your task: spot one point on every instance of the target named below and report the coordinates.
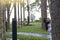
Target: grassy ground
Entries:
(35, 28)
(21, 37)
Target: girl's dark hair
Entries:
(46, 23)
(44, 20)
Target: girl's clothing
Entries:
(50, 36)
(49, 29)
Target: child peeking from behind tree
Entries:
(49, 27)
(47, 22)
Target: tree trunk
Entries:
(8, 16)
(43, 11)
(18, 13)
(23, 14)
(55, 16)
(28, 13)
(15, 9)
(8, 13)
(3, 26)
(0, 22)
(3, 12)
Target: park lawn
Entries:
(22, 37)
(35, 28)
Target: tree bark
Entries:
(8, 16)
(0, 21)
(15, 9)
(23, 14)
(3, 12)
(43, 11)
(55, 16)
(18, 14)
(28, 13)
(3, 26)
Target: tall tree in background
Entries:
(43, 11)
(23, 13)
(55, 16)
(15, 9)
(8, 4)
(18, 14)
(28, 13)
(21, 10)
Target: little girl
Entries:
(49, 27)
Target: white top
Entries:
(49, 27)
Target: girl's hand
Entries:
(49, 29)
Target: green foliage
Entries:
(38, 21)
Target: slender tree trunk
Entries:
(55, 16)
(8, 13)
(21, 11)
(18, 13)
(23, 14)
(8, 17)
(15, 9)
(43, 11)
(28, 12)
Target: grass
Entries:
(35, 28)
(22, 37)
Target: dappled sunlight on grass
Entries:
(22, 37)
(34, 28)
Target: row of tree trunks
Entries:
(43, 11)
(23, 13)
(55, 16)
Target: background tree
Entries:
(23, 13)
(21, 4)
(3, 12)
(18, 14)
(8, 4)
(32, 17)
(15, 9)
(28, 17)
(43, 11)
